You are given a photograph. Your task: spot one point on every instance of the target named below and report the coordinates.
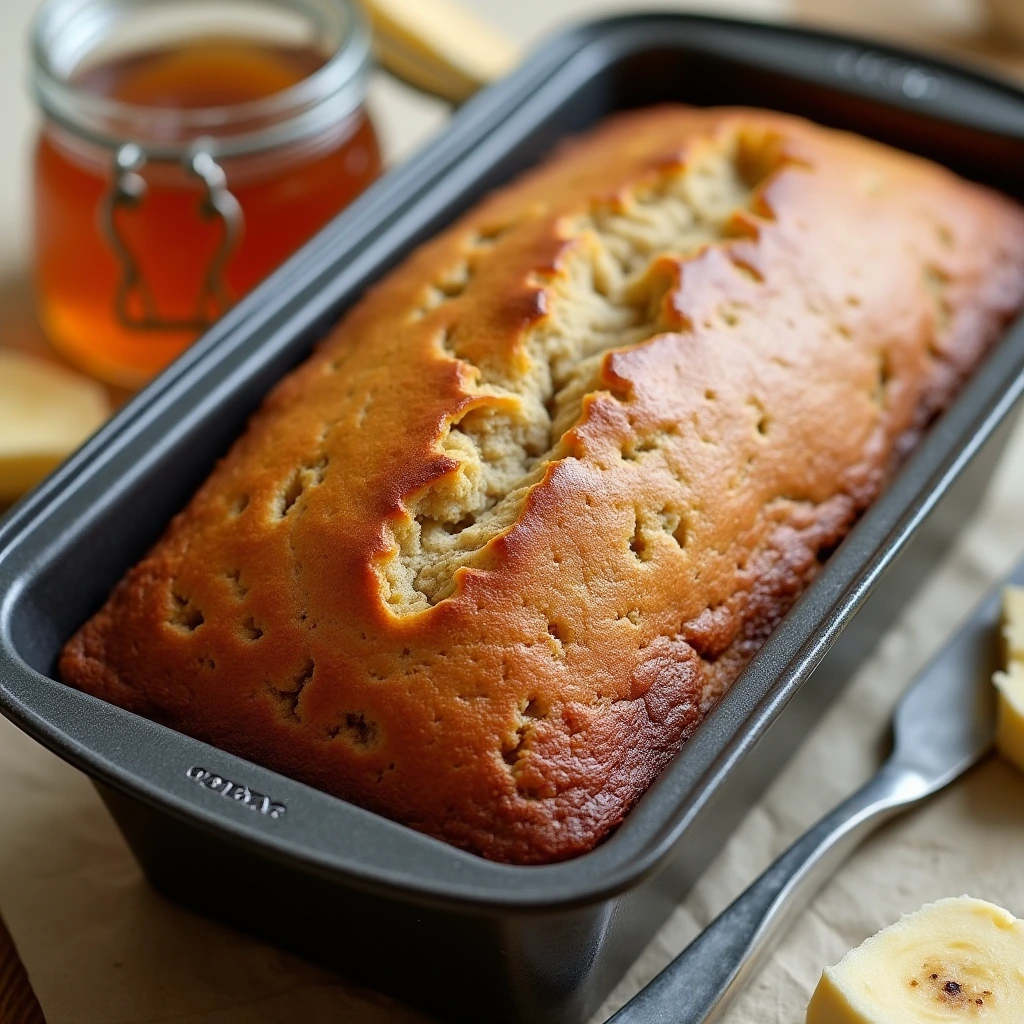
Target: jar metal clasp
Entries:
(134, 301)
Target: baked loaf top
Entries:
(485, 560)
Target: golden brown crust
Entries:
(486, 559)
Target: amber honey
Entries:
(286, 192)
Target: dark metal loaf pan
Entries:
(467, 939)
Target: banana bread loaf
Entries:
(486, 559)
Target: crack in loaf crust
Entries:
(486, 559)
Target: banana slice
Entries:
(45, 413)
(956, 960)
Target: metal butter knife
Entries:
(943, 725)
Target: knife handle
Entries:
(699, 984)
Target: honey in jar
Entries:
(171, 179)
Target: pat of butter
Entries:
(1010, 684)
(1013, 623)
(1010, 714)
(45, 413)
(438, 45)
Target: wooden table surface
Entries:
(951, 27)
(18, 1004)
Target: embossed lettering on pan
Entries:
(241, 794)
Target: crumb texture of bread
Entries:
(484, 562)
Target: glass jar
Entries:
(187, 148)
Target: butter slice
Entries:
(1010, 683)
(1010, 713)
(1013, 623)
(438, 45)
(46, 412)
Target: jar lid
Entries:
(72, 35)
